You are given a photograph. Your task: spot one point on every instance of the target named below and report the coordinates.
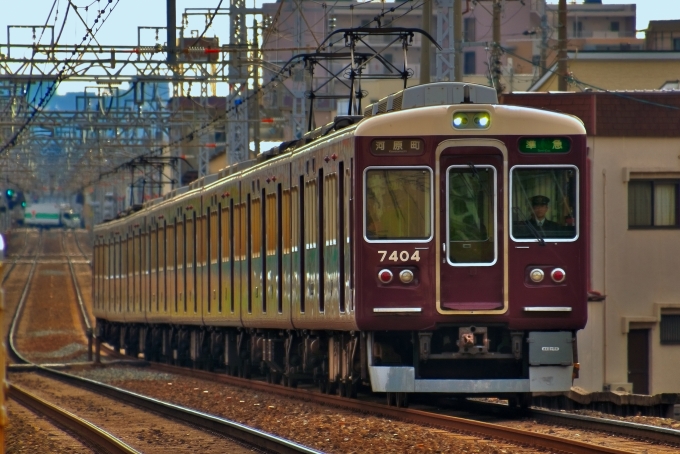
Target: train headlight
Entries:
(482, 120)
(471, 120)
(406, 276)
(536, 275)
(385, 276)
(558, 275)
(460, 120)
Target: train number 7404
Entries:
(396, 256)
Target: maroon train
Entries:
(435, 245)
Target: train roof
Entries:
(428, 110)
(505, 120)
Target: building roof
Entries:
(663, 26)
(612, 114)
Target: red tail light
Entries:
(558, 275)
(385, 276)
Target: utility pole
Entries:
(544, 37)
(256, 87)
(171, 46)
(496, 48)
(425, 44)
(458, 40)
(445, 58)
(562, 46)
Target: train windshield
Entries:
(544, 203)
(398, 204)
(471, 193)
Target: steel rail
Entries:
(251, 436)
(8, 271)
(610, 426)
(630, 429)
(222, 426)
(17, 314)
(81, 428)
(496, 431)
(84, 316)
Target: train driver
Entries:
(540, 205)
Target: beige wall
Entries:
(636, 269)
(619, 74)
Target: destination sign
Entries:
(409, 147)
(544, 145)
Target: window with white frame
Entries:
(653, 203)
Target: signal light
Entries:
(10, 192)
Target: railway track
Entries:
(514, 436)
(187, 421)
(621, 428)
(651, 434)
(82, 428)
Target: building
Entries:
(628, 70)
(593, 26)
(663, 35)
(632, 339)
(190, 114)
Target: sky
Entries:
(121, 27)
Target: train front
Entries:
(471, 266)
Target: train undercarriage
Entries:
(461, 360)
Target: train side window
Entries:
(214, 237)
(129, 270)
(286, 221)
(181, 264)
(279, 247)
(171, 261)
(154, 267)
(226, 239)
(243, 242)
(271, 227)
(162, 275)
(398, 204)
(544, 203)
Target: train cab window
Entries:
(398, 204)
(471, 219)
(544, 203)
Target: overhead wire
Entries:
(61, 74)
(275, 79)
(209, 24)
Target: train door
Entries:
(471, 218)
